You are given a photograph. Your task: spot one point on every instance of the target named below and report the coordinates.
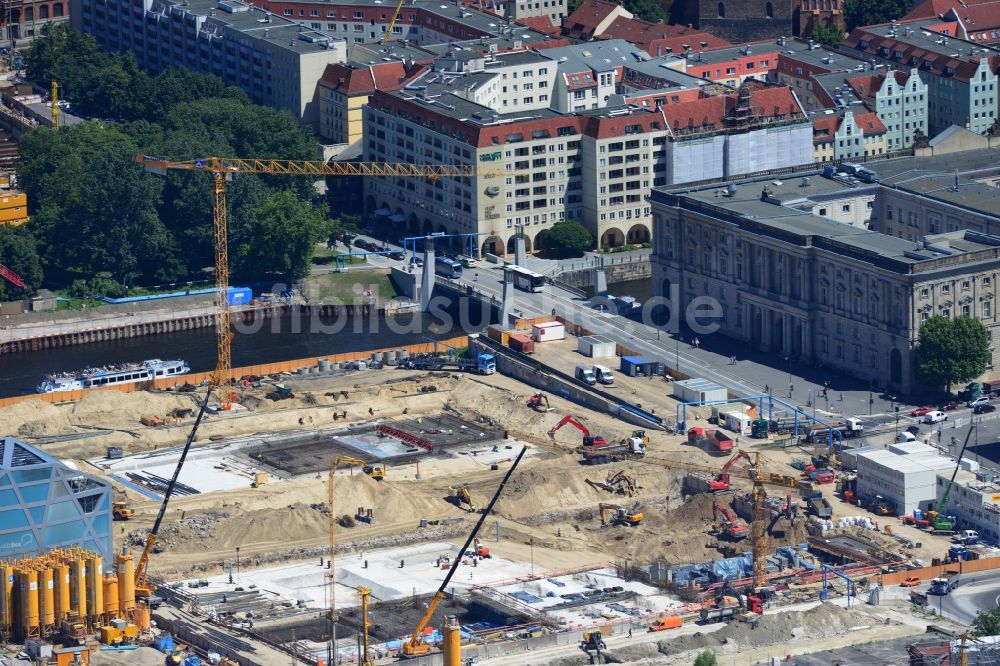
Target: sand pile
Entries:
(822, 621)
(34, 418)
(107, 407)
(143, 656)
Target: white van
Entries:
(904, 437)
(585, 374)
(603, 374)
(935, 417)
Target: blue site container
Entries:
(239, 295)
(164, 643)
(193, 660)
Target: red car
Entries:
(912, 581)
(948, 406)
(920, 411)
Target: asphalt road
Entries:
(979, 591)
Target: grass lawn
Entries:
(323, 255)
(348, 287)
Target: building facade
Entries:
(276, 61)
(904, 475)
(901, 101)
(960, 76)
(45, 505)
(848, 136)
(813, 290)
(25, 19)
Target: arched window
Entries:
(722, 10)
(43, 11)
(769, 10)
(57, 9)
(29, 13)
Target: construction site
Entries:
(362, 516)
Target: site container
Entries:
(551, 330)
(699, 390)
(596, 346)
(239, 296)
(521, 343)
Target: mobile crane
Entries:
(588, 439)
(938, 520)
(415, 644)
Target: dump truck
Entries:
(715, 442)
(847, 428)
(121, 511)
(626, 449)
(820, 506)
(944, 583)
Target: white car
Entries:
(935, 417)
(981, 400)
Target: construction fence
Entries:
(196, 378)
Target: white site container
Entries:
(552, 330)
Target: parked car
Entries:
(983, 409)
(935, 417)
(948, 406)
(981, 400)
(913, 429)
(912, 581)
(920, 411)
(398, 255)
(361, 243)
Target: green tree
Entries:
(869, 12)
(647, 10)
(706, 658)
(281, 238)
(987, 623)
(828, 35)
(19, 253)
(567, 238)
(952, 350)
(920, 140)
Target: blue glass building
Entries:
(44, 504)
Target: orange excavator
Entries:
(735, 529)
(539, 402)
(588, 439)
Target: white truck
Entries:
(603, 375)
(966, 537)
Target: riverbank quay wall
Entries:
(262, 369)
(121, 327)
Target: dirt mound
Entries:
(113, 406)
(33, 418)
(823, 621)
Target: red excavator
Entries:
(735, 528)
(588, 439)
(539, 402)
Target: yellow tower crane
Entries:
(758, 525)
(392, 23)
(223, 169)
(55, 105)
(366, 659)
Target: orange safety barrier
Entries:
(926, 573)
(199, 377)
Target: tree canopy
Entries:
(828, 35)
(567, 238)
(987, 623)
(870, 12)
(95, 211)
(18, 252)
(706, 658)
(952, 350)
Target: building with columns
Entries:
(818, 291)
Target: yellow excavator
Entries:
(374, 471)
(614, 514)
(415, 644)
(461, 496)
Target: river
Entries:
(276, 340)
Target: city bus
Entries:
(527, 280)
(449, 268)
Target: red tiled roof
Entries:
(869, 123)
(585, 18)
(704, 113)
(825, 128)
(962, 70)
(541, 24)
(935, 8)
(772, 101)
(865, 86)
(365, 80)
(650, 36)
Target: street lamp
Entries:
(897, 420)
(677, 354)
(237, 563)
(789, 359)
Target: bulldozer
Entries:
(619, 515)
(539, 402)
(461, 496)
(120, 510)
